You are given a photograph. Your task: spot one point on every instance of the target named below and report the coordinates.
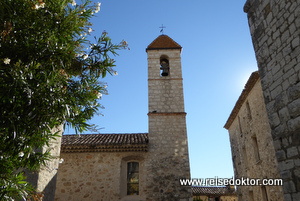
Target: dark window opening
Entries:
(164, 67)
(256, 149)
(240, 126)
(264, 193)
(251, 195)
(248, 110)
(245, 157)
(132, 178)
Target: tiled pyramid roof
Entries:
(212, 191)
(105, 142)
(163, 42)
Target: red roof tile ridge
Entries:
(163, 42)
(105, 139)
(212, 190)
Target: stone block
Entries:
(297, 161)
(279, 131)
(280, 102)
(284, 114)
(295, 42)
(285, 35)
(286, 175)
(285, 84)
(276, 92)
(277, 145)
(294, 124)
(285, 142)
(275, 69)
(289, 187)
(296, 196)
(294, 92)
(295, 52)
(286, 165)
(294, 108)
(287, 197)
(289, 71)
(274, 120)
(292, 152)
(293, 79)
(280, 155)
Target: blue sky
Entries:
(217, 60)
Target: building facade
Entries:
(252, 147)
(96, 166)
(135, 167)
(275, 30)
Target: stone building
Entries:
(141, 166)
(253, 152)
(275, 30)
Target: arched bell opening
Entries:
(164, 67)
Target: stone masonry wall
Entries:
(168, 159)
(275, 30)
(250, 125)
(98, 176)
(165, 93)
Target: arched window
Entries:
(132, 178)
(164, 66)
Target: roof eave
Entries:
(254, 77)
(110, 148)
(164, 48)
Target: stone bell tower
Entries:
(168, 159)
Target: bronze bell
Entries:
(165, 68)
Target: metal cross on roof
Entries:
(162, 29)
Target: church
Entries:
(135, 166)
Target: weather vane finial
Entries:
(162, 29)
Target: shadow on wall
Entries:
(49, 192)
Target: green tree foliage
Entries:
(49, 76)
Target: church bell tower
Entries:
(168, 147)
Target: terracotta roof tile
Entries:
(105, 142)
(247, 89)
(212, 191)
(163, 42)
